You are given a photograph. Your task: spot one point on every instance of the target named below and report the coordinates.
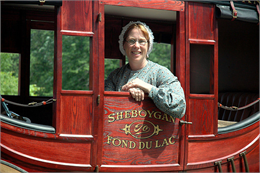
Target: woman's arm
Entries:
(168, 96)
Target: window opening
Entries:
(238, 87)
(75, 62)
(161, 54)
(9, 73)
(111, 65)
(41, 63)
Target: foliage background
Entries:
(75, 64)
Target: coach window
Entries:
(162, 24)
(75, 62)
(41, 62)
(9, 73)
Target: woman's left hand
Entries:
(134, 84)
(137, 94)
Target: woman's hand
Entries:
(137, 94)
(137, 88)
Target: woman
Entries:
(142, 76)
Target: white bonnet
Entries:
(121, 37)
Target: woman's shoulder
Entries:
(159, 67)
(119, 70)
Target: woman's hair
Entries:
(147, 32)
(138, 26)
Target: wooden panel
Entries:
(76, 113)
(201, 21)
(142, 136)
(76, 16)
(49, 153)
(205, 151)
(201, 111)
(155, 4)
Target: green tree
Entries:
(161, 54)
(9, 73)
(75, 62)
(41, 62)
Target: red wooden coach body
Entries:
(214, 54)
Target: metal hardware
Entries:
(98, 99)
(243, 155)
(99, 17)
(234, 11)
(219, 166)
(41, 2)
(96, 169)
(231, 160)
(184, 122)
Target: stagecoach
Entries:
(214, 49)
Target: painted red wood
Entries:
(202, 108)
(220, 149)
(202, 116)
(76, 113)
(98, 82)
(143, 137)
(76, 16)
(50, 153)
(224, 146)
(57, 72)
(100, 135)
(180, 49)
(155, 4)
(201, 21)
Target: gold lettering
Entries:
(134, 113)
(109, 139)
(127, 114)
(171, 118)
(165, 116)
(150, 113)
(141, 145)
(155, 115)
(165, 142)
(111, 118)
(114, 143)
(156, 144)
(132, 146)
(147, 145)
(170, 141)
(119, 115)
(140, 114)
(124, 143)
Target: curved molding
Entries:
(55, 163)
(240, 125)
(25, 125)
(227, 156)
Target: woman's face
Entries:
(136, 52)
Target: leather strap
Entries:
(234, 108)
(234, 11)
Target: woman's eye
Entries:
(132, 41)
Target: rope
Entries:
(32, 104)
(234, 108)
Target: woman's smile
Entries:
(136, 48)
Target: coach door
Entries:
(136, 136)
(78, 107)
